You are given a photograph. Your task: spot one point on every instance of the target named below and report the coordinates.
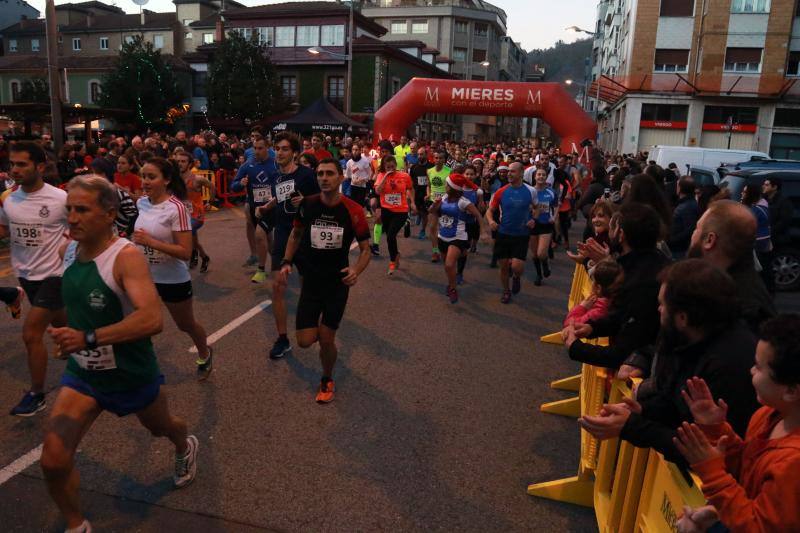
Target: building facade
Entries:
(469, 33)
(709, 73)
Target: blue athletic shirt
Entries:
(453, 219)
(515, 205)
(548, 204)
(250, 154)
(472, 196)
(302, 180)
(260, 176)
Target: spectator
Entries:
(632, 321)
(127, 176)
(645, 190)
(753, 484)
(725, 236)
(104, 165)
(780, 210)
(594, 192)
(317, 150)
(700, 336)
(199, 152)
(684, 218)
(705, 195)
(751, 197)
(606, 278)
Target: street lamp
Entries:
(576, 29)
(568, 82)
(579, 30)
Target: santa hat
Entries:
(502, 167)
(457, 181)
(477, 159)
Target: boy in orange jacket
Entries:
(752, 484)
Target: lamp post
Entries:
(52, 74)
(468, 67)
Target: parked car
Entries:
(705, 175)
(690, 156)
(762, 164)
(786, 263)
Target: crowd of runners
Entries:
(98, 250)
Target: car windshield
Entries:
(734, 184)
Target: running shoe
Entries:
(193, 260)
(84, 527)
(259, 277)
(419, 220)
(15, 307)
(506, 298)
(459, 279)
(204, 264)
(392, 267)
(375, 249)
(422, 235)
(325, 391)
(186, 465)
(452, 293)
(251, 261)
(515, 285)
(30, 404)
(436, 257)
(473, 249)
(281, 348)
(205, 366)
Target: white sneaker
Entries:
(186, 466)
(85, 527)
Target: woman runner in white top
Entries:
(164, 233)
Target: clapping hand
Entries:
(704, 410)
(608, 423)
(697, 520)
(694, 445)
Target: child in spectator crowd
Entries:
(606, 278)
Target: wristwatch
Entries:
(285, 261)
(91, 339)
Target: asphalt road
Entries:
(435, 425)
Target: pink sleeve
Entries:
(577, 314)
(598, 310)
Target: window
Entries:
(750, 6)
(399, 26)
(208, 38)
(284, 36)
(786, 117)
(462, 26)
(793, 68)
(14, 85)
(289, 87)
(94, 92)
(103, 43)
(717, 114)
(665, 112)
(158, 42)
(129, 39)
(266, 36)
(671, 61)
(188, 35)
(307, 36)
(459, 54)
(246, 33)
(186, 22)
(478, 55)
(480, 29)
(677, 8)
(332, 35)
(199, 81)
(743, 60)
(76, 44)
(12, 45)
(419, 26)
(336, 90)
(34, 45)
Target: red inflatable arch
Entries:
(548, 101)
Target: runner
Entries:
(474, 194)
(359, 172)
(437, 187)
(386, 150)
(113, 310)
(163, 231)
(34, 218)
(514, 203)
(256, 177)
(324, 228)
(452, 211)
(292, 183)
(542, 231)
(197, 211)
(419, 176)
(396, 195)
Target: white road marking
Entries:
(235, 323)
(20, 464)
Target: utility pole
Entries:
(347, 88)
(52, 75)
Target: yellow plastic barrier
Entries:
(212, 177)
(664, 493)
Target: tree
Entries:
(143, 82)
(242, 81)
(34, 90)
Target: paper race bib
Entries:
(27, 235)
(446, 221)
(100, 358)
(262, 194)
(422, 180)
(324, 237)
(393, 199)
(284, 189)
(153, 256)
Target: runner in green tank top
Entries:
(112, 310)
(437, 188)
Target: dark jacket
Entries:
(684, 220)
(755, 303)
(593, 193)
(780, 217)
(723, 360)
(633, 319)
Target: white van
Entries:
(689, 156)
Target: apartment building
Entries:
(469, 33)
(710, 73)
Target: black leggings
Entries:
(358, 195)
(392, 224)
(8, 295)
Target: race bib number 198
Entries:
(27, 235)
(100, 358)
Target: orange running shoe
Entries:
(15, 307)
(325, 392)
(392, 267)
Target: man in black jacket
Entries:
(780, 210)
(725, 236)
(632, 321)
(684, 218)
(700, 336)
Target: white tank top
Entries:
(160, 221)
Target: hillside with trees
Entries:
(564, 61)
